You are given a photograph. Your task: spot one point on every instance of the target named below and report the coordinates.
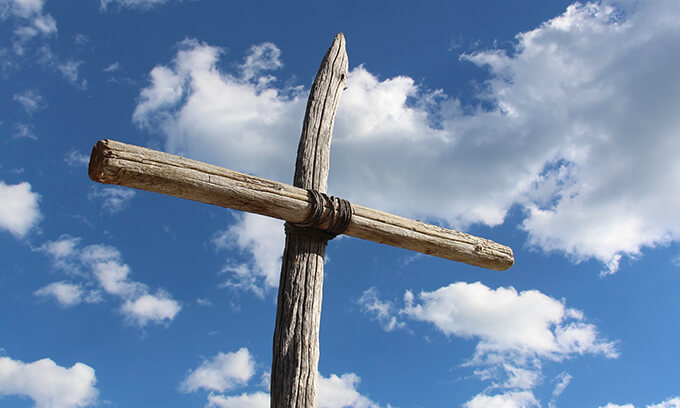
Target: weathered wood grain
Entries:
(295, 357)
(145, 169)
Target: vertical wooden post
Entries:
(296, 336)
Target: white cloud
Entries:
(81, 39)
(227, 371)
(114, 199)
(516, 332)
(76, 159)
(31, 100)
(334, 392)
(113, 67)
(102, 266)
(63, 252)
(553, 141)
(523, 399)
(611, 405)
(261, 57)
(65, 293)
(504, 320)
(252, 400)
(24, 131)
(520, 378)
(158, 308)
(138, 4)
(49, 385)
(383, 311)
(221, 373)
(562, 381)
(20, 8)
(252, 130)
(340, 392)
(19, 211)
(112, 275)
(29, 21)
(46, 25)
(262, 238)
(70, 70)
(669, 403)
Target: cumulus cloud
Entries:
(158, 308)
(221, 373)
(669, 403)
(340, 392)
(251, 130)
(68, 387)
(262, 238)
(516, 333)
(19, 210)
(522, 399)
(561, 136)
(101, 269)
(245, 400)
(505, 320)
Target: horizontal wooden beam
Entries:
(122, 164)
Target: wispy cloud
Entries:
(24, 131)
(113, 199)
(68, 294)
(383, 311)
(136, 4)
(30, 100)
(76, 159)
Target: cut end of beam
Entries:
(97, 169)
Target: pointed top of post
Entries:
(313, 159)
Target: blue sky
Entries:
(550, 127)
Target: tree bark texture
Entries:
(295, 358)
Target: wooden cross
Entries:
(311, 219)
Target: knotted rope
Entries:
(340, 216)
